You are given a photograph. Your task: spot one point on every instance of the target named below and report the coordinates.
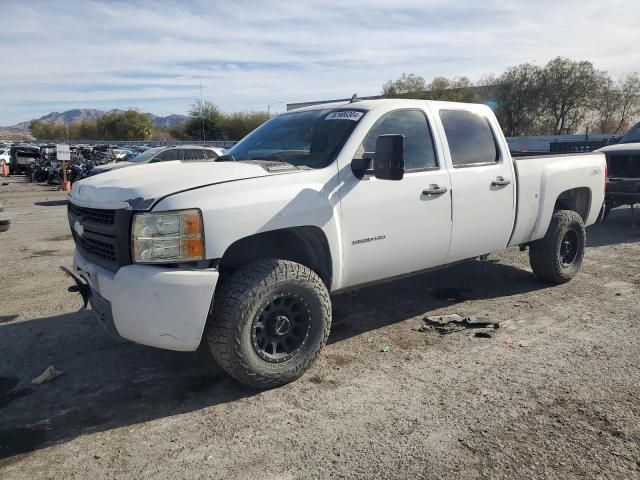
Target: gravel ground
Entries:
(552, 394)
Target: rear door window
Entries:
(168, 155)
(471, 140)
(193, 154)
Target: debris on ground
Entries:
(49, 374)
(386, 349)
(482, 335)
(508, 341)
(445, 324)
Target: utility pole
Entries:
(202, 110)
(271, 105)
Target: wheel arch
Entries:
(576, 199)
(307, 245)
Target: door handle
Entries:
(500, 182)
(434, 190)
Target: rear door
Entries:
(482, 182)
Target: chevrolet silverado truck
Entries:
(243, 253)
(623, 165)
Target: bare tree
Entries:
(616, 103)
(629, 100)
(606, 104)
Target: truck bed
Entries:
(542, 179)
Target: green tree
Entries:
(205, 121)
(518, 97)
(457, 89)
(130, 125)
(568, 90)
(239, 124)
(42, 130)
(407, 86)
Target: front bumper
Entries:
(155, 306)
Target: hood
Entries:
(621, 147)
(112, 166)
(140, 186)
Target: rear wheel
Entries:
(558, 256)
(270, 320)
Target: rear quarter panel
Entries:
(541, 180)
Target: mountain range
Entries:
(79, 114)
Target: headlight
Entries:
(168, 237)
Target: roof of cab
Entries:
(371, 104)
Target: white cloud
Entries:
(247, 54)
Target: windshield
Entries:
(146, 156)
(305, 139)
(632, 136)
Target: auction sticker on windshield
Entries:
(345, 115)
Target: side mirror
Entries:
(388, 163)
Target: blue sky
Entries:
(153, 55)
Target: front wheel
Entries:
(269, 322)
(558, 256)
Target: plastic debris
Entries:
(482, 335)
(508, 341)
(49, 374)
(445, 324)
(386, 349)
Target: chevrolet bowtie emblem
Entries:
(77, 226)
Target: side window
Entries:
(167, 155)
(193, 154)
(470, 138)
(210, 154)
(419, 151)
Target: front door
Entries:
(396, 227)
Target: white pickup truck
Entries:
(243, 253)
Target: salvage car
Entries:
(623, 165)
(22, 157)
(164, 154)
(243, 253)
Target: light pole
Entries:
(271, 105)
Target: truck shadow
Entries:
(108, 384)
(618, 228)
(384, 304)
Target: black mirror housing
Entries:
(388, 163)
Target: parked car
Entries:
(163, 154)
(4, 155)
(244, 254)
(623, 166)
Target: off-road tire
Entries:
(5, 220)
(241, 297)
(545, 255)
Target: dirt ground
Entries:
(552, 394)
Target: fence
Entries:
(560, 143)
(210, 143)
(517, 145)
